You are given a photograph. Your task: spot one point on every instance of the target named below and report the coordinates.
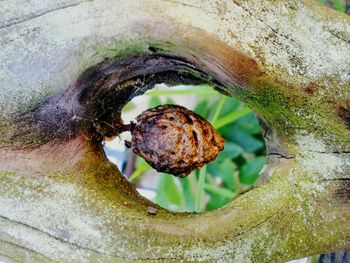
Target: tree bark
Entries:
(68, 67)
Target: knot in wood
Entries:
(175, 140)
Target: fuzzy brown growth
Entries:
(175, 140)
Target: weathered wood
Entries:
(67, 68)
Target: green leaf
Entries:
(154, 101)
(168, 193)
(202, 109)
(219, 190)
(230, 151)
(338, 5)
(141, 168)
(246, 141)
(249, 172)
(231, 117)
(139, 160)
(216, 201)
(214, 168)
(248, 124)
(231, 105)
(227, 169)
(218, 109)
(129, 106)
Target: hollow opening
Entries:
(110, 96)
(234, 171)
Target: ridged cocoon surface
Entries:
(175, 140)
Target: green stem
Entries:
(138, 172)
(200, 193)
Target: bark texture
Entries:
(68, 67)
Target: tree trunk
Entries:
(68, 67)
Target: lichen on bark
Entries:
(288, 60)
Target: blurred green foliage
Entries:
(336, 4)
(236, 167)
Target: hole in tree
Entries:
(114, 87)
(234, 171)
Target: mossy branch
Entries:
(61, 200)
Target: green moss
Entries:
(6, 130)
(136, 47)
(293, 111)
(278, 209)
(162, 47)
(124, 49)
